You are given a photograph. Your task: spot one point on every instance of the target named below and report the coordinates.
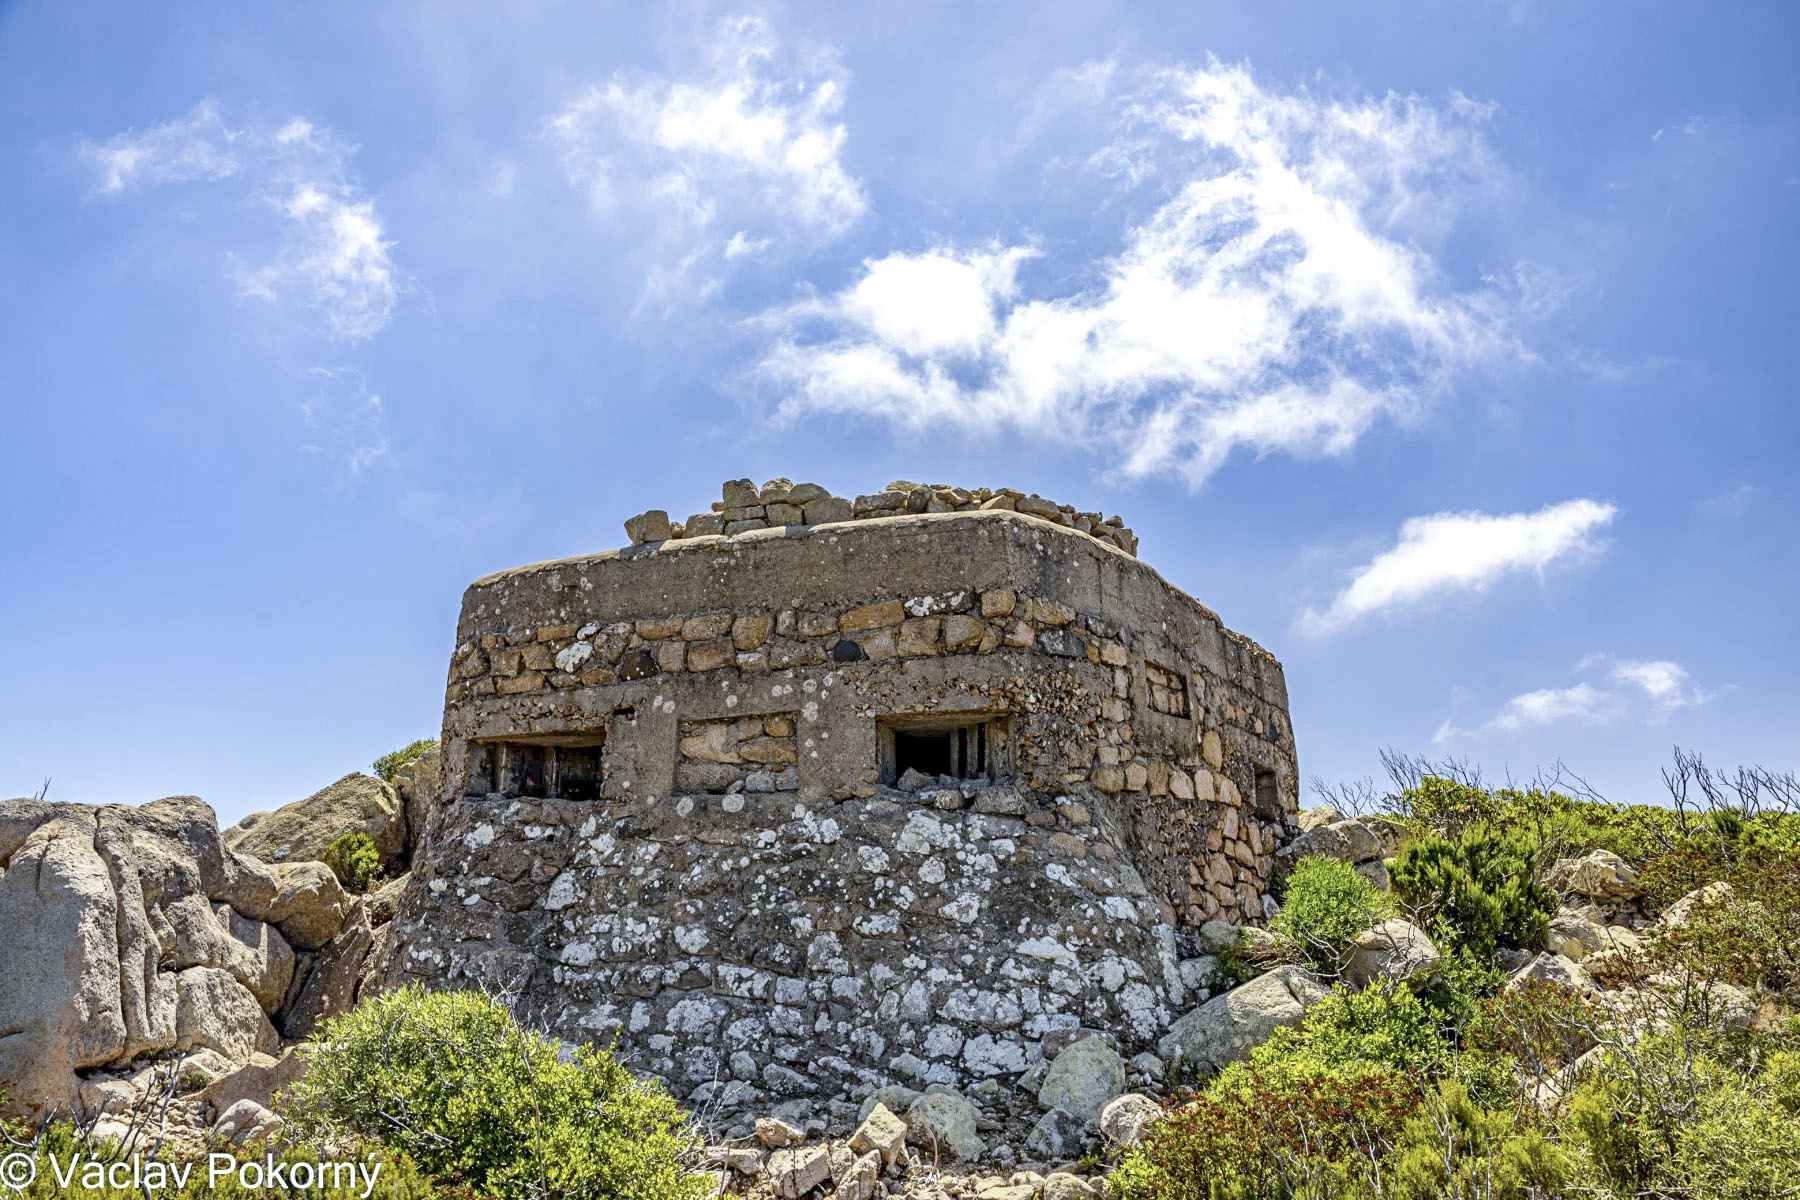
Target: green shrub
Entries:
(1541, 1025)
(1302, 1131)
(1384, 1024)
(1454, 1149)
(1744, 1143)
(389, 766)
(1327, 905)
(1562, 824)
(1478, 892)
(477, 1100)
(353, 858)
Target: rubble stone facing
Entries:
(780, 503)
(748, 898)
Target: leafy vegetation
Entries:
(479, 1101)
(1328, 905)
(1478, 891)
(389, 766)
(1685, 1085)
(353, 858)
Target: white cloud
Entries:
(1280, 298)
(1459, 552)
(753, 145)
(329, 253)
(1665, 684)
(197, 147)
(1649, 690)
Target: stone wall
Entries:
(765, 888)
(781, 502)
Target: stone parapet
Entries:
(781, 503)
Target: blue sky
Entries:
(1448, 350)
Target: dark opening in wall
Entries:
(559, 767)
(970, 748)
(1268, 796)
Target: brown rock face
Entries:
(301, 831)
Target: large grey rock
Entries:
(1349, 840)
(1394, 950)
(301, 831)
(1225, 1029)
(943, 1123)
(1683, 911)
(1312, 818)
(303, 899)
(419, 784)
(214, 1009)
(60, 983)
(261, 1079)
(128, 932)
(1056, 1137)
(1553, 968)
(1083, 1078)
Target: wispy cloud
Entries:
(742, 159)
(1649, 691)
(1281, 298)
(1461, 552)
(344, 420)
(329, 253)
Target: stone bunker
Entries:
(894, 796)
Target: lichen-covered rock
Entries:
(1224, 1030)
(1056, 1137)
(1126, 1118)
(943, 1123)
(301, 831)
(1083, 1078)
(1393, 950)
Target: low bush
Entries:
(1304, 1131)
(353, 858)
(1455, 1149)
(389, 766)
(1384, 1024)
(1327, 905)
(1478, 892)
(478, 1101)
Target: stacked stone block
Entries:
(781, 502)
